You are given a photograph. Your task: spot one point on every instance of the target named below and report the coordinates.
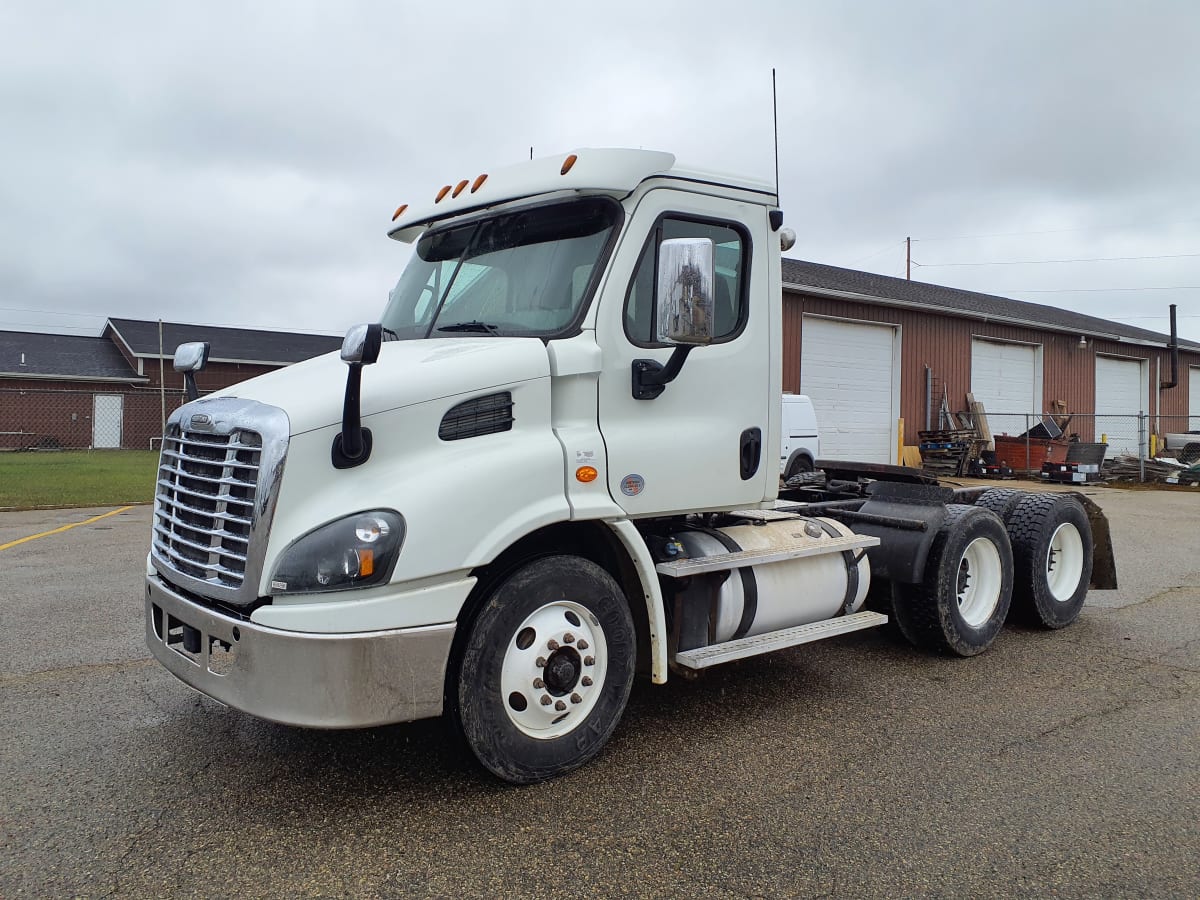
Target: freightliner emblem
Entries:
(201, 421)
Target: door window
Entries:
(732, 247)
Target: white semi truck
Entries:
(543, 472)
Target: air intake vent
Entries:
(483, 415)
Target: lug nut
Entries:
(545, 699)
(560, 706)
(553, 645)
(575, 698)
(589, 660)
(538, 684)
(540, 662)
(586, 681)
(583, 645)
(569, 638)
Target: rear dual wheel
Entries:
(1052, 554)
(960, 606)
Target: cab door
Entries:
(700, 444)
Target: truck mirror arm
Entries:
(650, 377)
(352, 446)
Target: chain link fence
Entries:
(86, 419)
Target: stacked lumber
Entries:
(1127, 467)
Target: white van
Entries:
(800, 442)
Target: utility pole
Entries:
(908, 259)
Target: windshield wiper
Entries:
(388, 333)
(473, 325)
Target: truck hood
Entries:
(408, 372)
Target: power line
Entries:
(1033, 262)
(967, 237)
(1181, 287)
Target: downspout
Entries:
(1174, 348)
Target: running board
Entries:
(681, 568)
(703, 657)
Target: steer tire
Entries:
(961, 604)
(1052, 560)
(571, 616)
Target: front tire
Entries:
(960, 606)
(546, 669)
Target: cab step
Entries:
(682, 568)
(703, 657)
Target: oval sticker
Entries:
(632, 485)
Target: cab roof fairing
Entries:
(613, 171)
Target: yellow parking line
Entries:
(34, 537)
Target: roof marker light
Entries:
(459, 188)
(399, 211)
(479, 182)
(441, 194)
(567, 163)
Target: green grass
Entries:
(77, 478)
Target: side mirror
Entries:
(352, 447)
(685, 291)
(361, 344)
(189, 359)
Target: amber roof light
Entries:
(567, 163)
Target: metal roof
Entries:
(851, 284)
(241, 345)
(25, 354)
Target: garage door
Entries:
(1194, 398)
(849, 370)
(1006, 379)
(1119, 399)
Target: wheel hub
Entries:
(562, 671)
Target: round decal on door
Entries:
(632, 485)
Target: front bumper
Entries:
(313, 680)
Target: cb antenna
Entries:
(775, 122)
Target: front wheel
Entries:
(546, 669)
(960, 606)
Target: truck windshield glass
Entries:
(525, 273)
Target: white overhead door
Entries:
(1007, 380)
(1194, 398)
(107, 413)
(850, 371)
(1121, 393)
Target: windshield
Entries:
(526, 273)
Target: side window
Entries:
(731, 264)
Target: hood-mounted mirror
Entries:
(352, 447)
(191, 358)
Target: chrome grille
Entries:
(218, 480)
(206, 492)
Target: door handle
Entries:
(750, 452)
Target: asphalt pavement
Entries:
(1064, 763)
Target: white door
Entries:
(682, 450)
(107, 413)
(1194, 398)
(849, 370)
(1121, 393)
(1006, 379)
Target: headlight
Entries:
(357, 551)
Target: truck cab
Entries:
(541, 471)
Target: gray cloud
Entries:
(222, 164)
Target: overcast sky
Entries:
(238, 163)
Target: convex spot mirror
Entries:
(361, 344)
(191, 357)
(685, 291)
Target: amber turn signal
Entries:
(586, 474)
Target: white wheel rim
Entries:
(980, 577)
(1064, 562)
(553, 670)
